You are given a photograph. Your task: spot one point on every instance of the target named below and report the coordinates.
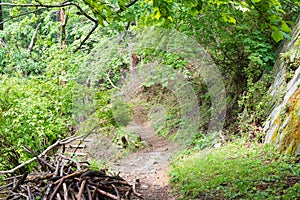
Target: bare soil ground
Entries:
(149, 165)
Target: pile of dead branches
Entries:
(62, 177)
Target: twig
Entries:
(20, 15)
(66, 197)
(106, 193)
(116, 190)
(59, 142)
(57, 168)
(56, 188)
(89, 193)
(81, 189)
(72, 160)
(6, 186)
(127, 6)
(58, 196)
(69, 176)
(112, 84)
(20, 182)
(47, 191)
(29, 192)
(87, 36)
(38, 158)
(136, 183)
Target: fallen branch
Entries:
(71, 184)
(57, 143)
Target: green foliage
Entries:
(236, 171)
(241, 45)
(104, 110)
(122, 112)
(35, 113)
(240, 36)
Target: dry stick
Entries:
(62, 169)
(38, 177)
(10, 178)
(81, 190)
(39, 159)
(65, 191)
(84, 137)
(33, 38)
(89, 192)
(20, 194)
(6, 186)
(106, 193)
(128, 194)
(70, 176)
(20, 182)
(116, 190)
(47, 192)
(57, 168)
(29, 192)
(58, 196)
(59, 142)
(94, 192)
(94, 173)
(72, 194)
(134, 190)
(57, 188)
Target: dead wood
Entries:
(66, 179)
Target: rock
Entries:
(283, 125)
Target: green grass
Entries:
(236, 171)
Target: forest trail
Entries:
(149, 165)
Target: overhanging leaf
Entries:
(285, 28)
(277, 35)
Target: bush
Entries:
(34, 112)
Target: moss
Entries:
(294, 100)
(277, 122)
(291, 133)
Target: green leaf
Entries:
(285, 28)
(277, 35)
(194, 11)
(228, 18)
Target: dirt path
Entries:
(149, 165)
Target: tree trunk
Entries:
(63, 34)
(1, 19)
(62, 18)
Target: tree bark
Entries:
(1, 18)
(63, 34)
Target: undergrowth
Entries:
(238, 170)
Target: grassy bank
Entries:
(239, 170)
